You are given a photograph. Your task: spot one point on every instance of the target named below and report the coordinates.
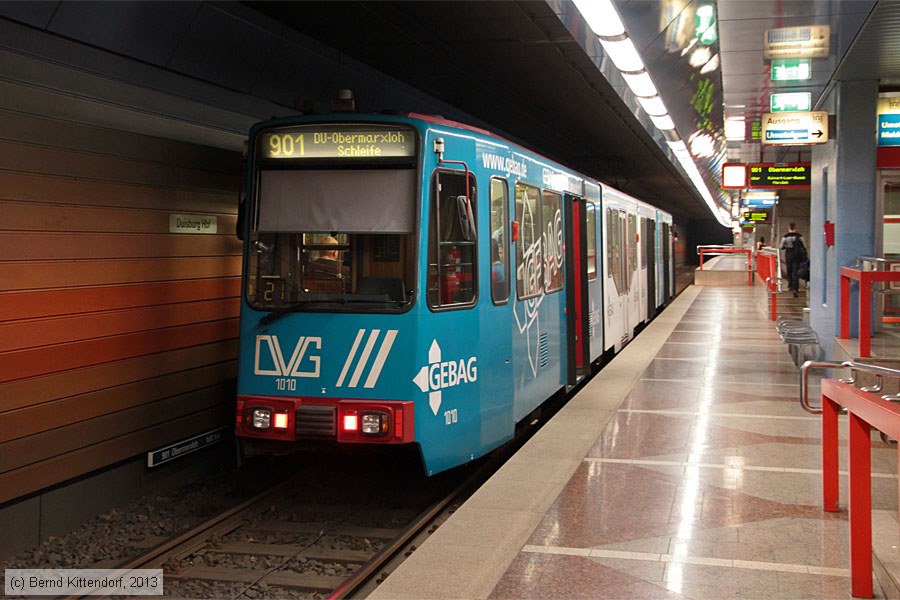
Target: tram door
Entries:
(648, 232)
(578, 336)
(667, 265)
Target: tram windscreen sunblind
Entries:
(349, 201)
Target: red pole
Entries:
(845, 307)
(860, 508)
(865, 314)
(831, 487)
(749, 267)
(701, 258)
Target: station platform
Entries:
(685, 469)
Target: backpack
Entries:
(800, 254)
(797, 252)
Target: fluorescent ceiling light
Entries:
(601, 16)
(640, 84)
(623, 54)
(702, 144)
(712, 65)
(663, 123)
(735, 130)
(654, 106)
(700, 56)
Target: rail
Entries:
(717, 250)
(767, 264)
(865, 410)
(773, 286)
(866, 280)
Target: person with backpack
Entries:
(794, 255)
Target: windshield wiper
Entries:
(280, 312)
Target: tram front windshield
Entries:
(333, 240)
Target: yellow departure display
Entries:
(338, 141)
(762, 217)
(779, 175)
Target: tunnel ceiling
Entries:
(513, 65)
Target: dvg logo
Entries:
(437, 375)
(292, 367)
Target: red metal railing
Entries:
(865, 279)
(767, 271)
(866, 410)
(717, 250)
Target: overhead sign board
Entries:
(794, 128)
(759, 199)
(889, 121)
(811, 41)
(790, 102)
(779, 175)
(755, 133)
(889, 130)
(791, 69)
(757, 217)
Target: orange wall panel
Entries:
(34, 362)
(61, 330)
(68, 301)
(116, 335)
(28, 275)
(82, 382)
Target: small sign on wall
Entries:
(193, 224)
(185, 447)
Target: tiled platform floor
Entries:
(685, 469)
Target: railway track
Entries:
(288, 542)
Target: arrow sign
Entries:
(795, 128)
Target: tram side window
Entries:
(554, 252)
(499, 244)
(452, 241)
(529, 260)
(614, 248)
(591, 225)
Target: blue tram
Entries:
(410, 280)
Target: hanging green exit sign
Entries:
(790, 102)
(791, 69)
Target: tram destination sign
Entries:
(779, 175)
(337, 141)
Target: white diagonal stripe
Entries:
(361, 365)
(381, 358)
(350, 356)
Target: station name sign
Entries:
(779, 175)
(185, 447)
(338, 141)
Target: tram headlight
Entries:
(375, 423)
(261, 418)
